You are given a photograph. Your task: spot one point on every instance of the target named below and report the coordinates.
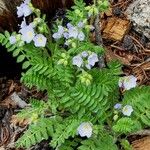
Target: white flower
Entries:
(84, 54)
(60, 29)
(77, 60)
(23, 10)
(12, 40)
(80, 24)
(92, 59)
(85, 129)
(57, 35)
(69, 25)
(40, 40)
(66, 35)
(23, 23)
(128, 82)
(27, 33)
(81, 36)
(127, 110)
(73, 32)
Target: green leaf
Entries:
(20, 58)
(16, 52)
(25, 65)
(7, 34)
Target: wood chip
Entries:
(142, 144)
(116, 28)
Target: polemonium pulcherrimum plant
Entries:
(84, 109)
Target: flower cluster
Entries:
(70, 32)
(24, 9)
(64, 59)
(28, 31)
(86, 78)
(85, 59)
(127, 82)
(85, 129)
(126, 110)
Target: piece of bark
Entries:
(116, 29)
(142, 144)
(98, 39)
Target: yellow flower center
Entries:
(86, 126)
(40, 40)
(126, 109)
(30, 34)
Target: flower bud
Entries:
(115, 117)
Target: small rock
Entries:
(139, 13)
(117, 11)
(127, 43)
(14, 97)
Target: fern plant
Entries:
(84, 109)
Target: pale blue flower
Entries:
(69, 25)
(60, 29)
(118, 106)
(40, 40)
(127, 110)
(27, 34)
(57, 35)
(23, 23)
(12, 39)
(77, 60)
(92, 59)
(23, 10)
(80, 24)
(85, 129)
(84, 54)
(81, 36)
(66, 35)
(73, 32)
(20, 11)
(128, 82)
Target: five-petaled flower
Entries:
(128, 82)
(39, 40)
(85, 129)
(92, 59)
(24, 10)
(127, 110)
(77, 60)
(85, 59)
(70, 32)
(27, 33)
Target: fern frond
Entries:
(139, 99)
(36, 133)
(86, 46)
(64, 130)
(126, 125)
(104, 142)
(38, 107)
